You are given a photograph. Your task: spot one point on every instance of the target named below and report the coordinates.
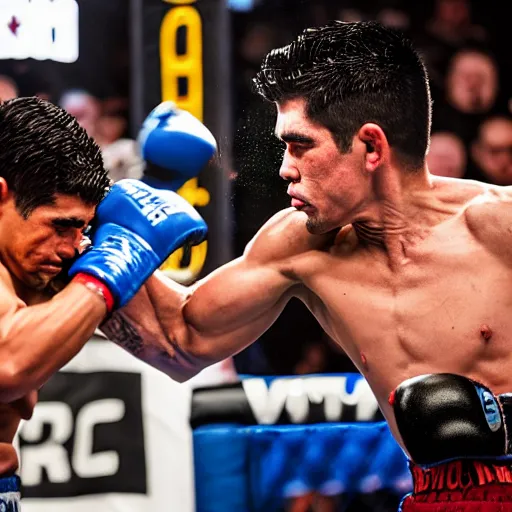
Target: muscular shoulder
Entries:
(489, 218)
(9, 301)
(284, 236)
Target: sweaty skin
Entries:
(39, 332)
(402, 269)
(421, 315)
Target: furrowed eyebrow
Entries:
(292, 137)
(68, 222)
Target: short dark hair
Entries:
(44, 151)
(351, 74)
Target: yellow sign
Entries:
(175, 66)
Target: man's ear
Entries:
(376, 143)
(4, 190)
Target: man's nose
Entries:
(70, 245)
(475, 81)
(66, 251)
(288, 170)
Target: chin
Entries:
(36, 282)
(315, 226)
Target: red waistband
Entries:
(411, 505)
(462, 480)
(460, 475)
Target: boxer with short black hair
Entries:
(408, 272)
(52, 185)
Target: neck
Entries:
(392, 213)
(22, 290)
(29, 295)
(370, 234)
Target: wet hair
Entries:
(351, 74)
(44, 152)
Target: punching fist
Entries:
(175, 146)
(136, 228)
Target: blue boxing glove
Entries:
(175, 146)
(136, 228)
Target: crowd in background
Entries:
(466, 49)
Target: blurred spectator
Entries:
(113, 122)
(313, 502)
(321, 354)
(256, 40)
(351, 14)
(85, 107)
(313, 360)
(394, 18)
(29, 77)
(470, 93)
(8, 88)
(491, 151)
(122, 160)
(446, 155)
(105, 121)
(110, 128)
(472, 81)
(449, 28)
(451, 24)
(253, 361)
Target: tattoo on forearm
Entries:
(121, 331)
(164, 354)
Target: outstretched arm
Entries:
(181, 330)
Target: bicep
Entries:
(180, 330)
(223, 313)
(234, 295)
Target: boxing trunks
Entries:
(461, 485)
(457, 432)
(10, 494)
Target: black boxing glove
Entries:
(446, 416)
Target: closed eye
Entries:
(65, 226)
(69, 222)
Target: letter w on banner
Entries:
(39, 29)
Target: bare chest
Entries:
(446, 309)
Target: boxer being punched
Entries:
(410, 273)
(51, 182)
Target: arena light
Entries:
(39, 29)
(241, 5)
